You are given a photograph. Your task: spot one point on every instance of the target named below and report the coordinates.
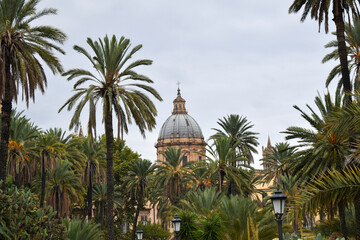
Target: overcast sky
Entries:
(231, 57)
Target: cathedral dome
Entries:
(180, 126)
(180, 130)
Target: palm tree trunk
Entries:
(139, 206)
(340, 29)
(101, 212)
(220, 180)
(16, 175)
(357, 215)
(5, 123)
(89, 192)
(43, 179)
(57, 200)
(341, 207)
(109, 170)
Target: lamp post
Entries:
(176, 225)
(278, 201)
(139, 234)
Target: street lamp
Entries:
(278, 201)
(139, 234)
(176, 225)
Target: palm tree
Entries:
(93, 152)
(71, 145)
(64, 188)
(275, 161)
(352, 38)
(137, 181)
(171, 176)
(100, 199)
(239, 214)
(239, 130)
(327, 149)
(112, 88)
(220, 164)
(21, 48)
(319, 10)
(21, 148)
(83, 230)
(202, 214)
(333, 186)
(49, 148)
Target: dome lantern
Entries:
(179, 104)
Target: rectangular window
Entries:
(184, 160)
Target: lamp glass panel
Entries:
(139, 235)
(277, 205)
(176, 226)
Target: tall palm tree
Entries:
(137, 182)
(319, 10)
(113, 88)
(22, 46)
(93, 152)
(327, 149)
(239, 130)
(64, 188)
(352, 38)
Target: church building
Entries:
(180, 130)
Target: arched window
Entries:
(180, 106)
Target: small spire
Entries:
(81, 134)
(269, 142)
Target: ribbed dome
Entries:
(180, 126)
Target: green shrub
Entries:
(21, 218)
(154, 232)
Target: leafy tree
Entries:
(124, 158)
(112, 88)
(22, 46)
(154, 232)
